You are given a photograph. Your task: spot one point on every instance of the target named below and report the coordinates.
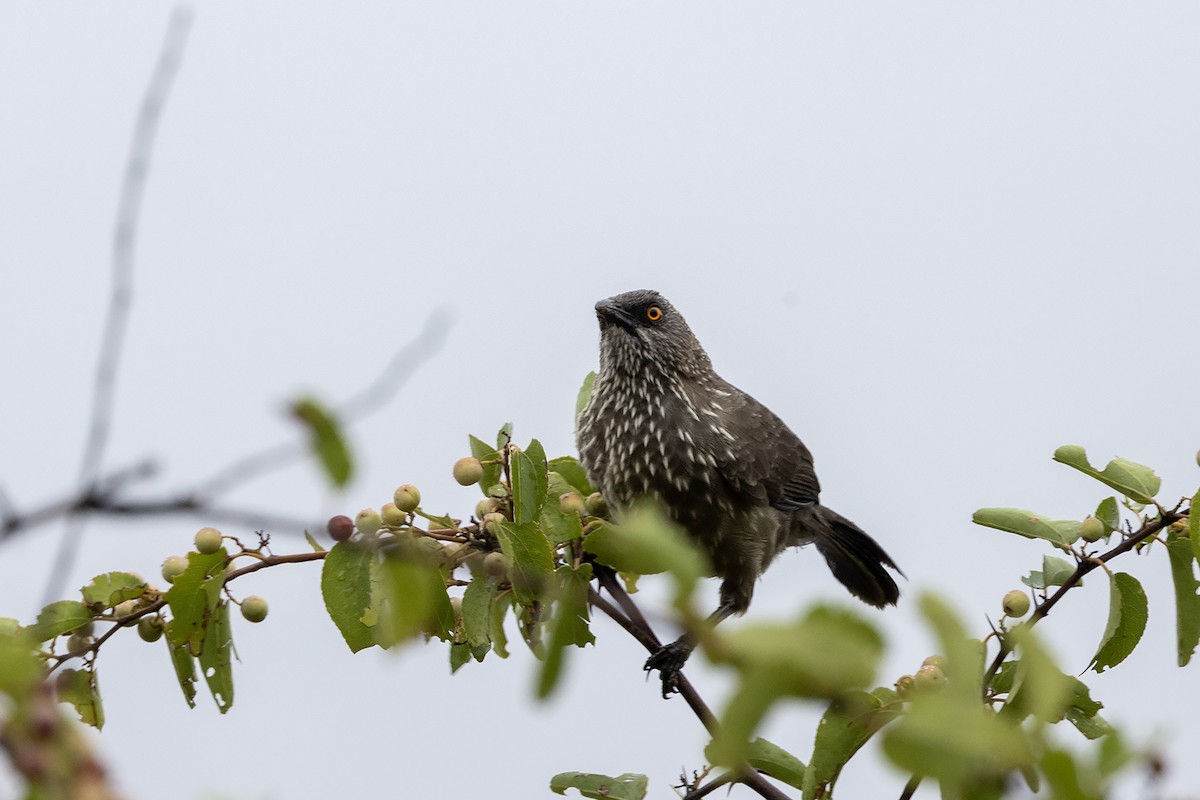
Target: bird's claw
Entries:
(669, 662)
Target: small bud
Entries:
(904, 685)
(392, 516)
(486, 506)
(340, 528)
(368, 521)
(1091, 530)
(595, 505)
(930, 676)
(493, 521)
(208, 541)
(571, 503)
(407, 498)
(468, 471)
(254, 608)
(496, 565)
(173, 567)
(1016, 604)
(150, 628)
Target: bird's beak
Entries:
(609, 313)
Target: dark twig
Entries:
(910, 788)
(124, 240)
(710, 787)
(1085, 566)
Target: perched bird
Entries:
(661, 424)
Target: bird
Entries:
(662, 425)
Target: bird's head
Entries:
(642, 329)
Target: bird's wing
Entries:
(762, 457)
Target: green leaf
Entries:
(193, 597)
(585, 394)
(79, 688)
(1055, 571)
(559, 527)
(1187, 601)
(1028, 524)
(529, 482)
(573, 473)
(849, 722)
(500, 607)
(62, 616)
(530, 557)
(328, 443)
(185, 667)
(504, 436)
(647, 542)
(416, 598)
(1194, 524)
(771, 759)
(346, 589)
(568, 626)
(1135, 481)
(1092, 727)
(1109, 514)
(460, 653)
(627, 786)
(20, 667)
(964, 655)
(1127, 613)
(491, 472)
(477, 610)
(111, 588)
(216, 657)
(1062, 775)
(825, 653)
(1039, 686)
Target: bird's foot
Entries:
(669, 662)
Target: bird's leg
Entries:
(670, 659)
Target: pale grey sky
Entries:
(939, 239)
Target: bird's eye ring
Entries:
(654, 313)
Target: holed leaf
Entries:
(1187, 601)
(627, 786)
(111, 588)
(346, 589)
(1135, 481)
(79, 688)
(193, 597)
(328, 443)
(216, 657)
(1127, 613)
(184, 665)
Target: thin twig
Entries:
(910, 788)
(710, 787)
(124, 239)
(1084, 566)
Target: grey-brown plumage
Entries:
(661, 424)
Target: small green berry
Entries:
(340, 528)
(368, 521)
(904, 685)
(571, 503)
(935, 660)
(208, 541)
(76, 642)
(1016, 604)
(125, 608)
(392, 516)
(930, 676)
(1091, 530)
(496, 565)
(254, 608)
(468, 471)
(173, 567)
(150, 628)
(493, 521)
(595, 505)
(407, 498)
(486, 506)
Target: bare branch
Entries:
(124, 239)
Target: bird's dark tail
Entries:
(857, 560)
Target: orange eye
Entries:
(654, 313)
